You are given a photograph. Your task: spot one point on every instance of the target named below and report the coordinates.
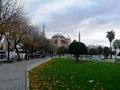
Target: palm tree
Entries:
(110, 35)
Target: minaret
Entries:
(43, 32)
(79, 37)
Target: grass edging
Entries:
(33, 66)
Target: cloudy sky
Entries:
(93, 18)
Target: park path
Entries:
(13, 76)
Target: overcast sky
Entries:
(93, 18)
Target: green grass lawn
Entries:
(64, 74)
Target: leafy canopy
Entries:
(77, 48)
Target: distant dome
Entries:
(58, 35)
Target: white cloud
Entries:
(96, 34)
(92, 17)
(43, 11)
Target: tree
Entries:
(26, 44)
(100, 50)
(44, 43)
(93, 51)
(119, 44)
(106, 52)
(36, 42)
(51, 47)
(83, 49)
(62, 50)
(8, 9)
(110, 35)
(31, 40)
(19, 29)
(77, 49)
(119, 54)
(116, 45)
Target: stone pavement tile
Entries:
(13, 76)
(13, 85)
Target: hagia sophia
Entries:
(59, 40)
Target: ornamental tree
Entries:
(77, 49)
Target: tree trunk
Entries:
(86, 56)
(77, 58)
(115, 56)
(17, 51)
(32, 52)
(8, 51)
(26, 53)
(1, 37)
(110, 51)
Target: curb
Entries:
(33, 66)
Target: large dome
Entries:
(58, 35)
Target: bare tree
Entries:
(19, 29)
(8, 9)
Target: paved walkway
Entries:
(13, 76)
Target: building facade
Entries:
(59, 40)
